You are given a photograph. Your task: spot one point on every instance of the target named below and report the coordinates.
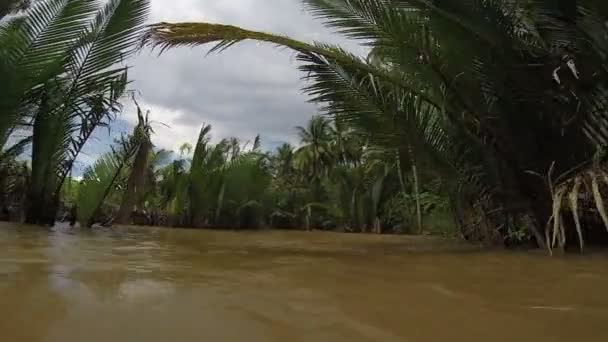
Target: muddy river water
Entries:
(153, 284)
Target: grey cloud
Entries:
(246, 90)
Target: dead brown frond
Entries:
(584, 193)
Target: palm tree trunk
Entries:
(400, 174)
(416, 189)
(401, 181)
(416, 186)
(42, 204)
(307, 219)
(135, 183)
(353, 211)
(417, 197)
(220, 203)
(377, 225)
(41, 209)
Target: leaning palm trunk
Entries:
(135, 183)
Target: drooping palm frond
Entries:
(167, 35)
(492, 91)
(444, 47)
(384, 114)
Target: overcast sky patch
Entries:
(249, 89)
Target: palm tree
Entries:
(135, 190)
(173, 189)
(498, 92)
(315, 155)
(107, 176)
(185, 149)
(63, 62)
(283, 160)
(227, 182)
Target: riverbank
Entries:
(275, 238)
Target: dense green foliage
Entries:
(62, 77)
(504, 99)
(487, 116)
(335, 179)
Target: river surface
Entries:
(149, 284)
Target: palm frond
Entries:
(93, 78)
(83, 92)
(16, 149)
(101, 178)
(32, 51)
(166, 35)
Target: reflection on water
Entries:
(130, 284)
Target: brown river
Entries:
(149, 284)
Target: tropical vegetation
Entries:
(63, 74)
(487, 117)
(505, 100)
(334, 180)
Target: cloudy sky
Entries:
(246, 90)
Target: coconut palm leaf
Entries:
(489, 92)
(102, 177)
(82, 92)
(32, 50)
(206, 176)
(315, 156)
(96, 184)
(92, 76)
(167, 35)
(16, 149)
